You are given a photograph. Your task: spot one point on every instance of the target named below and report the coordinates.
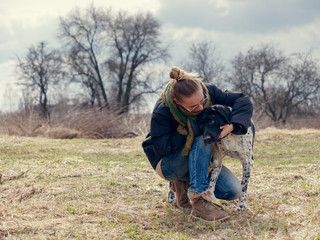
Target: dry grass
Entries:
(75, 123)
(106, 189)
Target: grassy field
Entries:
(106, 189)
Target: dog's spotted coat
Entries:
(240, 147)
(234, 146)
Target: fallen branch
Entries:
(71, 176)
(17, 176)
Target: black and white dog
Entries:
(233, 145)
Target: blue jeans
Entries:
(194, 168)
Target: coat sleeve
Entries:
(242, 107)
(165, 138)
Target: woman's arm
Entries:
(242, 107)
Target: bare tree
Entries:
(302, 78)
(109, 53)
(85, 38)
(203, 59)
(276, 84)
(135, 43)
(39, 70)
(257, 74)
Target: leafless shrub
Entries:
(20, 124)
(293, 122)
(93, 123)
(76, 123)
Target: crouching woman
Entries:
(175, 147)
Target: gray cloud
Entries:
(239, 16)
(15, 39)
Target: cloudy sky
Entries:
(234, 25)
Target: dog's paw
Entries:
(171, 197)
(241, 208)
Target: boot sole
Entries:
(184, 208)
(187, 210)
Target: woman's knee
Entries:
(231, 193)
(174, 170)
(234, 192)
(159, 171)
(228, 186)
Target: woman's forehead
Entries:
(195, 98)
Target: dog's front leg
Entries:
(171, 196)
(214, 174)
(215, 166)
(247, 165)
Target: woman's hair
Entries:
(185, 83)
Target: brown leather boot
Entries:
(206, 210)
(181, 190)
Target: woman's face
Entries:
(194, 103)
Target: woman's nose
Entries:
(200, 107)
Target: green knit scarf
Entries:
(185, 119)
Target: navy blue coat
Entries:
(163, 138)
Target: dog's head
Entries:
(210, 121)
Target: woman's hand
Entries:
(226, 129)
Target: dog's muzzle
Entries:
(207, 140)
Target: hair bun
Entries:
(176, 73)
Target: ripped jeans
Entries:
(194, 168)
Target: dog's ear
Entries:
(224, 112)
(203, 116)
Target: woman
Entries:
(175, 147)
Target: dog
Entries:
(239, 146)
